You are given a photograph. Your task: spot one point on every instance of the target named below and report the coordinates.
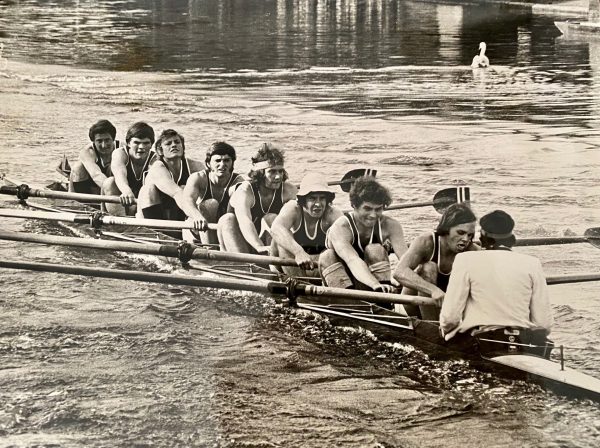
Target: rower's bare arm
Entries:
(418, 253)
(118, 167)
(188, 197)
(455, 300)
(540, 310)
(288, 218)
(88, 158)
(340, 237)
(395, 233)
(160, 176)
(242, 201)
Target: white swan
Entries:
(481, 59)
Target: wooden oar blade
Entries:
(448, 196)
(351, 176)
(593, 236)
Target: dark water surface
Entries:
(339, 85)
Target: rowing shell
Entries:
(549, 374)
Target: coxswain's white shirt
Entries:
(495, 288)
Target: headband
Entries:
(262, 165)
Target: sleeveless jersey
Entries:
(375, 237)
(135, 182)
(257, 212)
(170, 208)
(105, 168)
(224, 201)
(312, 244)
(442, 277)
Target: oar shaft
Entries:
(547, 241)
(408, 205)
(245, 285)
(572, 278)
(81, 197)
(103, 219)
(171, 279)
(164, 250)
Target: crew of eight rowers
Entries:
(263, 213)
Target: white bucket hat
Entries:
(313, 183)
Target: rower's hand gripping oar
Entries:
(441, 200)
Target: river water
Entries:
(338, 85)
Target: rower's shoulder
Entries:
(289, 191)
(422, 243)
(195, 165)
(87, 152)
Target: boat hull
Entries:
(506, 360)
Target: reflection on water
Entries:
(256, 35)
(388, 57)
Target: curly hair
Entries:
(455, 215)
(167, 133)
(266, 153)
(102, 127)
(140, 130)
(367, 189)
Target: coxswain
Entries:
(497, 293)
(166, 178)
(359, 241)
(91, 170)
(206, 194)
(300, 229)
(255, 204)
(129, 166)
(425, 267)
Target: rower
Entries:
(425, 267)
(206, 194)
(497, 289)
(130, 165)
(357, 242)
(166, 177)
(92, 169)
(255, 204)
(300, 228)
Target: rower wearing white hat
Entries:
(300, 228)
(496, 289)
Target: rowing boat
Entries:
(512, 356)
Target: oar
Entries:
(441, 200)
(572, 278)
(277, 288)
(349, 178)
(98, 219)
(166, 250)
(24, 192)
(591, 236)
